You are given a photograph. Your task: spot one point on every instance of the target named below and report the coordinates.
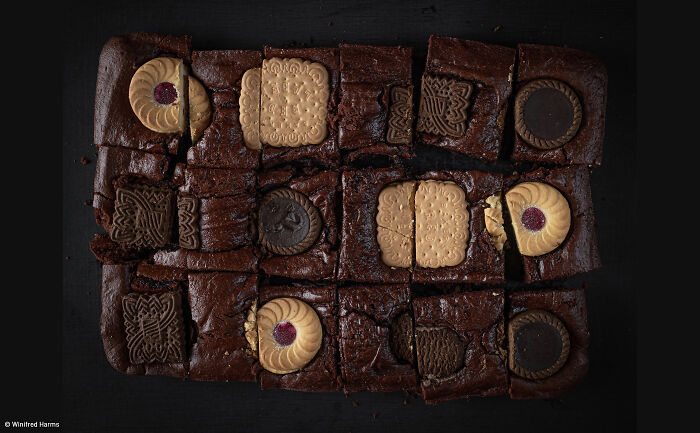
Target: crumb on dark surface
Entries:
(374, 415)
(330, 23)
(405, 402)
(355, 404)
(67, 257)
(84, 160)
(497, 28)
(88, 202)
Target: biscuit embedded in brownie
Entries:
(569, 306)
(587, 77)
(376, 338)
(221, 145)
(460, 345)
(376, 101)
(319, 189)
(326, 153)
(115, 121)
(578, 252)
(474, 79)
(321, 373)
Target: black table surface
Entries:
(98, 398)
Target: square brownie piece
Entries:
(376, 338)
(122, 298)
(222, 144)
(571, 84)
(578, 252)
(316, 189)
(220, 303)
(115, 121)
(569, 308)
(325, 153)
(321, 373)
(360, 255)
(471, 81)
(376, 101)
(483, 262)
(460, 345)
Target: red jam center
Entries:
(284, 333)
(165, 93)
(533, 219)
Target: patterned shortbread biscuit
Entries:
(442, 224)
(249, 103)
(395, 224)
(293, 102)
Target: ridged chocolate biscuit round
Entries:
(547, 113)
(288, 223)
(440, 351)
(538, 344)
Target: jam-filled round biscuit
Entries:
(155, 94)
(538, 344)
(289, 333)
(547, 113)
(288, 222)
(540, 216)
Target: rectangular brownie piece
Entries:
(376, 338)
(569, 307)
(460, 345)
(319, 260)
(321, 373)
(360, 255)
(222, 144)
(115, 121)
(325, 153)
(483, 261)
(559, 68)
(578, 253)
(472, 82)
(220, 303)
(376, 101)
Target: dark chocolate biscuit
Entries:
(443, 106)
(154, 327)
(400, 115)
(188, 216)
(440, 351)
(143, 215)
(538, 344)
(402, 337)
(288, 222)
(547, 113)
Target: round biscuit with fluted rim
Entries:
(155, 95)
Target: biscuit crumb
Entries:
(497, 28)
(84, 160)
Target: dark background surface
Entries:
(98, 398)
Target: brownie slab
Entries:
(587, 76)
(460, 345)
(360, 256)
(321, 373)
(569, 306)
(579, 251)
(376, 338)
(325, 153)
(488, 70)
(219, 302)
(115, 121)
(319, 261)
(222, 145)
(483, 263)
(376, 101)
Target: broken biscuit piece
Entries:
(493, 217)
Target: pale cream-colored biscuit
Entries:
(493, 217)
(442, 224)
(161, 71)
(200, 108)
(283, 359)
(249, 106)
(395, 219)
(556, 214)
(293, 102)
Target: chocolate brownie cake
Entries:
(263, 220)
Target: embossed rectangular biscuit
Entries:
(395, 224)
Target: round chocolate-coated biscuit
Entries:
(538, 344)
(547, 113)
(440, 351)
(288, 223)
